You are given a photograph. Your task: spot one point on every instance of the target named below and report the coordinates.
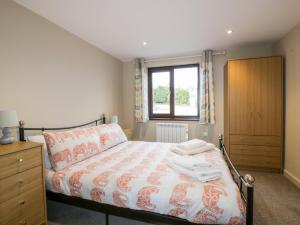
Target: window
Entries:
(174, 92)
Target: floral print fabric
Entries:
(136, 175)
(207, 99)
(68, 147)
(141, 91)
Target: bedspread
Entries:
(136, 175)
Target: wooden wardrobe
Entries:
(253, 107)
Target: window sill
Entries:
(175, 119)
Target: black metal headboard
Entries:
(22, 129)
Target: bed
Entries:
(133, 180)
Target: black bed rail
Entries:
(22, 129)
(246, 181)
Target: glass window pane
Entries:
(161, 92)
(186, 90)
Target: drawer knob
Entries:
(20, 160)
(20, 181)
(22, 202)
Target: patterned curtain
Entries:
(141, 91)
(207, 100)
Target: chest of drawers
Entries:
(128, 133)
(22, 188)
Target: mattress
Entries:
(136, 175)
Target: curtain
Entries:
(207, 100)
(141, 91)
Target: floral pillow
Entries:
(111, 135)
(69, 147)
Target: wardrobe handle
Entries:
(259, 114)
(20, 181)
(22, 202)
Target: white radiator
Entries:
(172, 132)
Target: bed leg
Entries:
(106, 219)
(221, 143)
(250, 199)
(21, 130)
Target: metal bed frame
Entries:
(245, 184)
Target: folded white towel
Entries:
(204, 148)
(206, 175)
(191, 144)
(191, 163)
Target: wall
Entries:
(289, 46)
(147, 131)
(51, 77)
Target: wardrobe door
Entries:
(268, 96)
(240, 81)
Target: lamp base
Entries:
(7, 138)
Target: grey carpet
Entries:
(276, 202)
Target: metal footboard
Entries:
(245, 183)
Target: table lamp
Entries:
(114, 119)
(8, 118)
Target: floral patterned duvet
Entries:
(136, 175)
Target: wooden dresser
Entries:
(22, 188)
(253, 112)
(128, 133)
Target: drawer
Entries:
(255, 140)
(256, 150)
(17, 162)
(17, 184)
(26, 209)
(252, 162)
(256, 156)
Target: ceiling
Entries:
(170, 27)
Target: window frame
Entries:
(171, 115)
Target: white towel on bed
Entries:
(191, 163)
(208, 174)
(205, 175)
(191, 144)
(203, 148)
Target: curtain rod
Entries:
(185, 57)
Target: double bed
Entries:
(132, 179)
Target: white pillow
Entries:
(41, 139)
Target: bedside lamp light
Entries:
(8, 118)
(114, 119)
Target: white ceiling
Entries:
(170, 27)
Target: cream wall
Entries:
(289, 46)
(51, 77)
(147, 131)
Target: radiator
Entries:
(172, 132)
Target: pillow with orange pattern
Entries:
(72, 146)
(111, 135)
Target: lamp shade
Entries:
(8, 118)
(114, 119)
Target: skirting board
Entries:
(292, 178)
